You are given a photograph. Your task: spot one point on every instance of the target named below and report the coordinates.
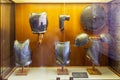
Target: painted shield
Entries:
(62, 52)
(38, 22)
(93, 18)
(22, 53)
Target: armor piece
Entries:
(81, 39)
(93, 18)
(38, 22)
(22, 53)
(63, 18)
(95, 50)
(106, 38)
(62, 52)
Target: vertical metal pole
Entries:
(93, 66)
(22, 69)
(62, 68)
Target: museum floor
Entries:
(50, 73)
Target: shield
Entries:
(62, 52)
(22, 53)
(38, 22)
(93, 18)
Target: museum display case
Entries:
(7, 37)
(75, 40)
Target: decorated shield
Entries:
(62, 52)
(22, 53)
(93, 18)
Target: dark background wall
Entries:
(43, 55)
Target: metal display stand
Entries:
(22, 71)
(62, 71)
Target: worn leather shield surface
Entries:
(93, 18)
(62, 52)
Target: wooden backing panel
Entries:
(7, 37)
(43, 55)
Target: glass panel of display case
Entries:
(6, 37)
